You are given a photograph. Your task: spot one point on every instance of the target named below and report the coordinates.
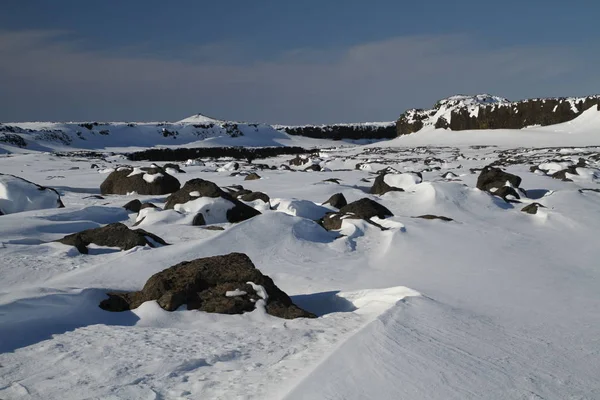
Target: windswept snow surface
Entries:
(496, 304)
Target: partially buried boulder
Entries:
(148, 180)
(361, 209)
(133, 206)
(313, 167)
(18, 194)
(432, 217)
(252, 176)
(562, 174)
(497, 182)
(173, 169)
(112, 235)
(253, 196)
(208, 199)
(532, 208)
(337, 200)
(226, 284)
(381, 187)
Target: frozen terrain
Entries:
(495, 304)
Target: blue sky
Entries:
(285, 62)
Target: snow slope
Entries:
(195, 131)
(496, 304)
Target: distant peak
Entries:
(199, 119)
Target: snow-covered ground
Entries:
(496, 304)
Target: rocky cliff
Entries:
(490, 112)
(375, 130)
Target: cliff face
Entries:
(344, 131)
(488, 112)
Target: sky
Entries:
(285, 62)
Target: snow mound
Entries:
(404, 181)
(214, 210)
(18, 194)
(300, 208)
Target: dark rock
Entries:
(176, 167)
(563, 173)
(313, 167)
(239, 211)
(337, 200)
(298, 161)
(430, 216)
(198, 220)
(240, 193)
(494, 178)
(253, 196)
(119, 182)
(252, 176)
(332, 180)
(532, 208)
(506, 191)
(94, 166)
(589, 190)
(111, 235)
(147, 205)
(380, 187)
(534, 168)
(213, 228)
(361, 209)
(201, 284)
(449, 175)
(94, 196)
(133, 206)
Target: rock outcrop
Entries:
(112, 235)
(490, 112)
(152, 180)
(226, 284)
(364, 208)
(205, 197)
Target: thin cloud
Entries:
(370, 81)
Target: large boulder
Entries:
(208, 199)
(492, 177)
(134, 206)
(227, 284)
(152, 180)
(360, 209)
(18, 194)
(381, 187)
(173, 169)
(498, 182)
(112, 235)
